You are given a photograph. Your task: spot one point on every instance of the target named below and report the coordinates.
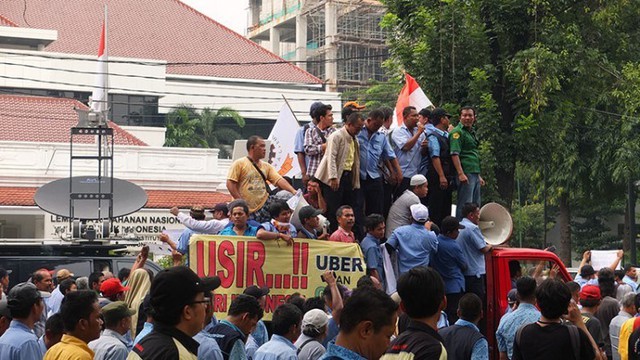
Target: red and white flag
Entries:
(99, 95)
(410, 95)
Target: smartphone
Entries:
(552, 248)
(334, 275)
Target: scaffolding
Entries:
(348, 30)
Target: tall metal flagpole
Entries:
(105, 112)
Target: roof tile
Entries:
(158, 199)
(47, 119)
(154, 29)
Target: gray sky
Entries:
(230, 13)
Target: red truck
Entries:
(501, 265)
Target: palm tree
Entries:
(186, 127)
(220, 137)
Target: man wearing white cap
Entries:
(314, 330)
(414, 243)
(400, 214)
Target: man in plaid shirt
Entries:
(315, 139)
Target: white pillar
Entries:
(331, 49)
(274, 40)
(301, 40)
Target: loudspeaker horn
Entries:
(495, 223)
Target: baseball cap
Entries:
(220, 207)
(437, 113)
(308, 212)
(449, 224)
(590, 292)
(112, 287)
(175, 287)
(4, 272)
(419, 212)
(353, 104)
(116, 311)
(512, 296)
(24, 294)
(4, 308)
(63, 274)
(314, 107)
(315, 318)
(256, 292)
(586, 271)
(418, 180)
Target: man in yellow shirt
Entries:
(82, 323)
(249, 177)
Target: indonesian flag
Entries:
(410, 95)
(99, 95)
(284, 131)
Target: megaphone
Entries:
(495, 223)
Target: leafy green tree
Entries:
(186, 127)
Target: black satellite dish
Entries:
(54, 197)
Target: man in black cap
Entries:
(231, 333)
(178, 305)
(308, 216)
(26, 305)
(451, 263)
(112, 344)
(440, 171)
(259, 336)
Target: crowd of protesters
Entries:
(387, 190)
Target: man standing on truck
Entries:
(474, 247)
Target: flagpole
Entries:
(105, 112)
(292, 112)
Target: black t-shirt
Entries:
(634, 345)
(550, 342)
(419, 341)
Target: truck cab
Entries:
(504, 265)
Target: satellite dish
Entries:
(54, 197)
(495, 223)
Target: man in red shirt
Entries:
(346, 220)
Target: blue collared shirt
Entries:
(450, 262)
(373, 149)
(109, 346)
(372, 254)
(298, 143)
(209, 348)
(630, 282)
(414, 245)
(472, 242)
(183, 243)
(250, 231)
(337, 351)
(434, 145)
(480, 350)
(278, 348)
(511, 322)
(146, 329)
(409, 160)
(19, 342)
(258, 337)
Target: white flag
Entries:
(99, 95)
(282, 138)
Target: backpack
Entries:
(573, 334)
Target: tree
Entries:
(186, 127)
(547, 77)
